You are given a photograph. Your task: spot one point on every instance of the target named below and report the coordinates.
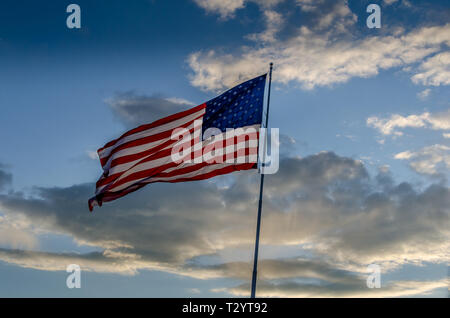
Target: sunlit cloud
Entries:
(393, 124)
(225, 8)
(435, 71)
(428, 160)
(326, 205)
(323, 53)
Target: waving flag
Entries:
(211, 139)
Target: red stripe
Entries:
(144, 177)
(111, 196)
(166, 152)
(156, 123)
(144, 140)
(198, 166)
(225, 170)
(157, 155)
(152, 173)
(216, 145)
(145, 153)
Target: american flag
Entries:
(225, 138)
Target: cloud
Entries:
(194, 290)
(389, 126)
(325, 205)
(286, 268)
(389, 2)
(324, 14)
(5, 178)
(15, 232)
(325, 51)
(428, 160)
(225, 8)
(92, 154)
(435, 71)
(98, 261)
(274, 22)
(353, 289)
(134, 110)
(424, 94)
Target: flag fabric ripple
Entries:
(143, 155)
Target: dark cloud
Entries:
(56, 261)
(134, 110)
(318, 171)
(5, 178)
(352, 288)
(270, 269)
(130, 224)
(288, 146)
(327, 204)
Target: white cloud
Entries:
(391, 125)
(92, 154)
(389, 2)
(446, 135)
(104, 262)
(180, 101)
(435, 71)
(321, 54)
(274, 22)
(424, 94)
(15, 232)
(405, 155)
(225, 8)
(194, 290)
(428, 159)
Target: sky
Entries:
(364, 119)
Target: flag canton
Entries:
(240, 106)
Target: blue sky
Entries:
(346, 98)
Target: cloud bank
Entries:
(324, 205)
(134, 110)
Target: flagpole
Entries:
(261, 186)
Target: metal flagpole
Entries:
(261, 186)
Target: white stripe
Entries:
(168, 159)
(204, 170)
(129, 151)
(251, 158)
(252, 143)
(158, 162)
(152, 131)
